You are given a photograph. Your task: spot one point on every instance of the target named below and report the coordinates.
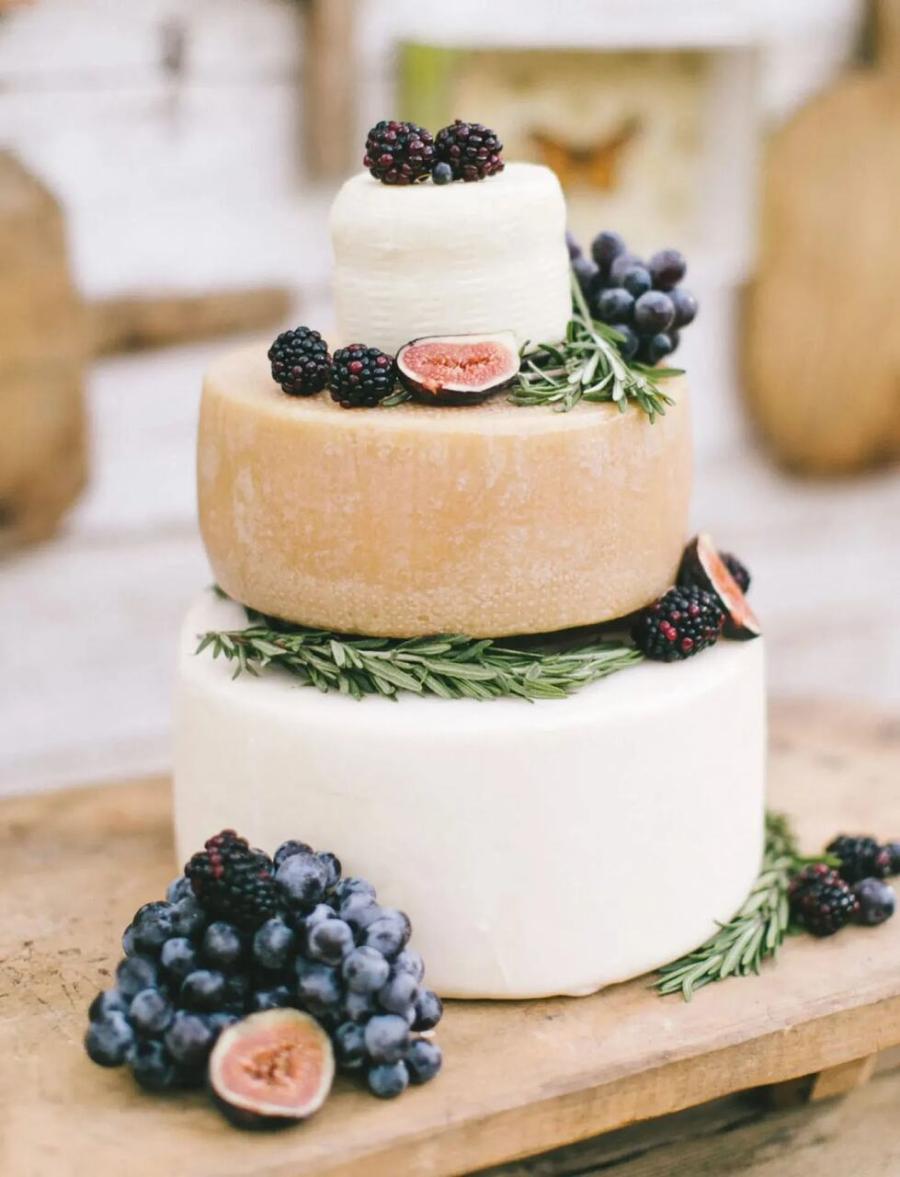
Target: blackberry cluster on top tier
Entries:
(241, 932)
(641, 300)
(471, 150)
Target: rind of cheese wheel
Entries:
(451, 259)
(485, 520)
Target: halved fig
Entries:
(458, 369)
(702, 565)
(271, 1069)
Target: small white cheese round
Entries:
(450, 259)
(539, 849)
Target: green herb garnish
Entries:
(757, 931)
(588, 366)
(450, 665)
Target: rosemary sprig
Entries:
(450, 665)
(588, 366)
(756, 931)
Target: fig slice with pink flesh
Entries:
(458, 369)
(271, 1069)
(702, 565)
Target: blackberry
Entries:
(300, 362)
(363, 376)
(472, 150)
(399, 153)
(861, 858)
(233, 881)
(736, 568)
(681, 623)
(820, 900)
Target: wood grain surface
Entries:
(520, 1078)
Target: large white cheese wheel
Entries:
(538, 848)
(443, 260)
(485, 520)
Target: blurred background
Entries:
(166, 168)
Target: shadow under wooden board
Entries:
(519, 1078)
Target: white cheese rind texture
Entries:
(448, 259)
(541, 849)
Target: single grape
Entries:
(423, 1060)
(388, 1080)
(150, 1012)
(188, 918)
(685, 306)
(319, 987)
(359, 910)
(387, 1038)
(387, 935)
(153, 1067)
(606, 247)
(179, 957)
(128, 946)
(222, 947)
(399, 994)
(352, 885)
(330, 941)
(274, 943)
(653, 312)
(637, 281)
(302, 880)
(106, 1002)
(410, 961)
(152, 927)
(332, 865)
(614, 305)
(135, 973)
(573, 247)
(365, 970)
(429, 1010)
(190, 1038)
(656, 348)
(359, 1007)
(203, 989)
(287, 849)
(620, 267)
(110, 1041)
(350, 1046)
(667, 268)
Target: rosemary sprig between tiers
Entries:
(757, 931)
(588, 366)
(450, 665)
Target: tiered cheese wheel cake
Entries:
(547, 847)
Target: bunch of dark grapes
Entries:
(643, 301)
(328, 948)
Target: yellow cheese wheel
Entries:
(486, 520)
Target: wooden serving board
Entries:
(519, 1078)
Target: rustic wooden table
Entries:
(520, 1078)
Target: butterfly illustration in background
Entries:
(596, 166)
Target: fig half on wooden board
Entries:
(271, 1069)
(458, 369)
